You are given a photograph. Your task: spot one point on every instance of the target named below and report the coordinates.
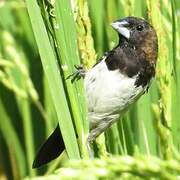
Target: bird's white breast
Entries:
(109, 93)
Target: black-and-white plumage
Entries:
(115, 82)
(122, 76)
(109, 94)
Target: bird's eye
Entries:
(139, 28)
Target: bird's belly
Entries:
(109, 93)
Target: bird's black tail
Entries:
(51, 149)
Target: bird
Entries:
(114, 83)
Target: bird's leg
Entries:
(91, 137)
(78, 74)
(90, 150)
(98, 129)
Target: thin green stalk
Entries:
(13, 141)
(97, 15)
(165, 79)
(51, 70)
(66, 38)
(19, 77)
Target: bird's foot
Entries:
(78, 74)
(90, 140)
(90, 150)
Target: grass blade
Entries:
(50, 66)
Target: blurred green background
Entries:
(41, 41)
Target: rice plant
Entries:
(40, 42)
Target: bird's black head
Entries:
(139, 34)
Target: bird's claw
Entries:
(78, 74)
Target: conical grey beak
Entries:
(122, 28)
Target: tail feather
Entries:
(51, 149)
